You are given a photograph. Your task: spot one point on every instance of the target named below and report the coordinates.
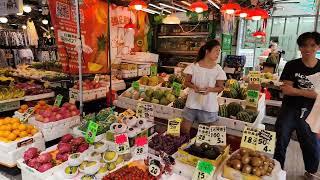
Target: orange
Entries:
(17, 132)
(15, 120)
(9, 127)
(42, 102)
(34, 131)
(2, 139)
(24, 107)
(21, 111)
(12, 136)
(15, 125)
(6, 134)
(18, 138)
(4, 121)
(1, 133)
(3, 127)
(23, 134)
(22, 127)
(1, 122)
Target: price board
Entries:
(141, 148)
(58, 100)
(176, 88)
(26, 115)
(122, 143)
(249, 138)
(203, 134)
(254, 77)
(140, 111)
(154, 170)
(203, 171)
(145, 111)
(218, 135)
(73, 97)
(136, 85)
(252, 98)
(266, 141)
(174, 126)
(91, 132)
(153, 70)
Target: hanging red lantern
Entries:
(198, 7)
(259, 34)
(137, 5)
(230, 8)
(257, 14)
(243, 12)
(130, 25)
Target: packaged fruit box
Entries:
(246, 164)
(190, 153)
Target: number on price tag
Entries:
(252, 98)
(140, 111)
(174, 126)
(91, 132)
(266, 141)
(203, 171)
(203, 134)
(141, 150)
(136, 85)
(148, 111)
(58, 100)
(154, 170)
(26, 115)
(176, 88)
(249, 138)
(73, 97)
(153, 70)
(218, 135)
(122, 143)
(254, 77)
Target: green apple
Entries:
(71, 169)
(112, 166)
(109, 155)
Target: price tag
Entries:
(203, 171)
(153, 70)
(141, 147)
(254, 77)
(136, 85)
(140, 111)
(174, 126)
(203, 134)
(73, 97)
(96, 78)
(154, 170)
(249, 138)
(122, 143)
(58, 100)
(266, 141)
(91, 132)
(148, 111)
(252, 98)
(176, 87)
(26, 115)
(218, 135)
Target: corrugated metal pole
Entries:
(317, 16)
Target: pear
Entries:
(109, 155)
(112, 166)
(103, 169)
(71, 169)
(91, 163)
(83, 165)
(119, 160)
(98, 144)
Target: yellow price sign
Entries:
(174, 126)
(254, 77)
(249, 138)
(266, 141)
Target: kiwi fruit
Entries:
(236, 164)
(255, 161)
(245, 159)
(246, 169)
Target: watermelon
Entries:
(242, 93)
(233, 83)
(244, 116)
(223, 112)
(230, 93)
(253, 114)
(233, 108)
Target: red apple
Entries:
(58, 117)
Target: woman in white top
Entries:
(205, 78)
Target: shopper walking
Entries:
(297, 104)
(205, 78)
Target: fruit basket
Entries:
(186, 157)
(234, 116)
(251, 166)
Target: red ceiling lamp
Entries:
(259, 34)
(137, 5)
(130, 25)
(242, 13)
(257, 14)
(230, 8)
(199, 7)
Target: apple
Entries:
(72, 107)
(74, 113)
(55, 109)
(39, 117)
(45, 120)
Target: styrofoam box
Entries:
(10, 158)
(144, 69)
(89, 95)
(39, 96)
(261, 102)
(54, 130)
(28, 173)
(11, 146)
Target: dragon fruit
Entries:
(64, 147)
(45, 167)
(44, 158)
(77, 141)
(34, 163)
(62, 156)
(83, 147)
(30, 153)
(66, 138)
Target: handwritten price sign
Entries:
(203, 134)
(254, 77)
(174, 126)
(122, 143)
(218, 135)
(203, 171)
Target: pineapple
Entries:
(101, 56)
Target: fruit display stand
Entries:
(10, 152)
(261, 102)
(88, 95)
(10, 104)
(38, 96)
(56, 129)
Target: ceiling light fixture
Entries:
(172, 7)
(24, 27)
(158, 7)
(230, 8)
(185, 3)
(150, 11)
(52, 28)
(171, 19)
(213, 4)
(199, 7)
(242, 13)
(259, 34)
(257, 14)
(3, 20)
(130, 25)
(27, 8)
(137, 5)
(45, 22)
(180, 6)
(20, 13)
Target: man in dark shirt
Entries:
(297, 104)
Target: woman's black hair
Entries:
(208, 46)
(308, 35)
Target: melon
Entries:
(233, 108)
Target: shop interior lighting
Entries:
(150, 11)
(45, 22)
(137, 5)
(171, 19)
(185, 3)
(52, 28)
(199, 6)
(3, 20)
(172, 7)
(27, 8)
(24, 27)
(213, 4)
(160, 8)
(19, 13)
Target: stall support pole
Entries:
(109, 55)
(317, 15)
(79, 56)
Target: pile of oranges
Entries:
(11, 129)
(23, 108)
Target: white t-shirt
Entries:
(204, 78)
